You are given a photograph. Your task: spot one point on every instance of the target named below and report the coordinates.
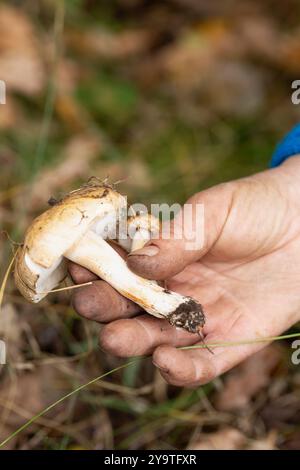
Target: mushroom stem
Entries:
(95, 254)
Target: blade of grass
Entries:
(130, 375)
(4, 282)
(242, 342)
(52, 87)
(61, 289)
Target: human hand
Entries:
(246, 276)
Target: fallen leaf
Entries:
(75, 162)
(282, 412)
(9, 115)
(70, 112)
(225, 439)
(233, 87)
(265, 443)
(21, 65)
(105, 44)
(292, 442)
(68, 74)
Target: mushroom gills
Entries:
(47, 278)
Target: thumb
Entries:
(188, 237)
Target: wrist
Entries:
(292, 163)
(288, 175)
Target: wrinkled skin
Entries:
(247, 277)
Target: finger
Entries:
(184, 368)
(102, 303)
(141, 335)
(194, 367)
(160, 259)
(169, 254)
(79, 274)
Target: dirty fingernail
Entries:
(150, 250)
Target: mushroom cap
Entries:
(40, 265)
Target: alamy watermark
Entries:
(2, 352)
(2, 92)
(295, 97)
(137, 222)
(296, 354)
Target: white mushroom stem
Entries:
(140, 239)
(95, 254)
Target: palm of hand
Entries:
(243, 301)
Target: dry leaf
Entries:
(225, 439)
(68, 74)
(138, 174)
(292, 442)
(233, 87)
(289, 52)
(20, 61)
(9, 115)
(265, 443)
(282, 411)
(75, 162)
(71, 113)
(259, 34)
(107, 45)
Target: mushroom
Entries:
(77, 228)
(139, 229)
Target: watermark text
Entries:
(296, 354)
(2, 352)
(2, 92)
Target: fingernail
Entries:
(149, 250)
(163, 369)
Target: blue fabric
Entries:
(288, 147)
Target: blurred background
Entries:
(170, 96)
